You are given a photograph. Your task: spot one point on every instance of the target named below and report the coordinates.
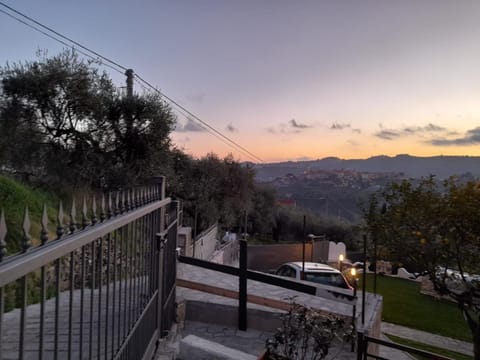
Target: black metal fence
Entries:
(339, 295)
(103, 288)
(364, 354)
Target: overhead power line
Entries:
(198, 119)
(62, 36)
(116, 66)
(56, 39)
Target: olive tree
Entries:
(63, 122)
(436, 226)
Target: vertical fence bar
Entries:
(144, 260)
(70, 304)
(242, 287)
(114, 290)
(130, 275)
(100, 283)
(2, 307)
(26, 243)
(107, 300)
(43, 290)
(3, 248)
(360, 345)
(82, 302)
(92, 294)
(125, 309)
(121, 308)
(134, 267)
(151, 259)
(23, 317)
(160, 283)
(57, 307)
(59, 231)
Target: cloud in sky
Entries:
(387, 134)
(291, 127)
(303, 158)
(390, 134)
(427, 128)
(298, 125)
(339, 126)
(471, 137)
(189, 126)
(231, 128)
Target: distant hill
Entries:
(410, 166)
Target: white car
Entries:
(314, 272)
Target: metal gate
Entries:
(104, 288)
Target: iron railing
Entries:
(364, 354)
(102, 289)
(339, 295)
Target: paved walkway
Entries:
(227, 337)
(251, 341)
(88, 337)
(428, 338)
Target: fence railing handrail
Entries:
(365, 339)
(16, 266)
(336, 295)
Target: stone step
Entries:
(196, 348)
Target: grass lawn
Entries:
(425, 347)
(404, 305)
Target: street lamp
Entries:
(353, 273)
(341, 257)
(303, 247)
(311, 237)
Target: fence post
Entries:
(242, 287)
(161, 278)
(360, 345)
(161, 184)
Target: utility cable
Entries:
(199, 120)
(112, 65)
(185, 114)
(62, 36)
(58, 40)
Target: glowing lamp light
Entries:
(340, 257)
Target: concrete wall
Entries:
(184, 240)
(227, 254)
(206, 243)
(335, 249)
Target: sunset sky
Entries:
(288, 80)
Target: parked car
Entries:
(314, 272)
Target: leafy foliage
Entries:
(289, 226)
(436, 227)
(307, 334)
(14, 197)
(67, 124)
(216, 189)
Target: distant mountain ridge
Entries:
(410, 166)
